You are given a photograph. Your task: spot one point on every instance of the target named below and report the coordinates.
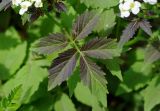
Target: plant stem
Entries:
(75, 45)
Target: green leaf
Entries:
(152, 53)
(47, 25)
(67, 18)
(42, 104)
(73, 80)
(134, 78)
(62, 68)
(11, 60)
(101, 48)
(51, 44)
(114, 68)
(9, 39)
(151, 94)
(100, 92)
(64, 104)
(84, 24)
(11, 102)
(84, 95)
(105, 22)
(5, 19)
(30, 76)
(100, 3)
(12, 51)
(92, 76)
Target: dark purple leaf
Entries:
(60, 6)
(92, 76)
(128, 33)
(34, 13)
(62, 68)
(4, 4)
(84, 25)
(52, 43)
(146, 26)
(91, 73)
(101, 48)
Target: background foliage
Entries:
(79, 56)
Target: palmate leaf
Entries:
(128, 33)
(62, 68)
(84, 25)
(92, 76)
(51, 44)
(101, 48)
(5, 4)
(64, 65)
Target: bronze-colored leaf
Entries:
(101, 48)
(128, 33)
(34, 13)
(84, 25)
(145, 26)
(62, 68)
(52, 43)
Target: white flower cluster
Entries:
(131, 6)
(25, 4)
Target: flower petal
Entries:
(137, 4)
(22, 11)
(135, 10)
(125, 14)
